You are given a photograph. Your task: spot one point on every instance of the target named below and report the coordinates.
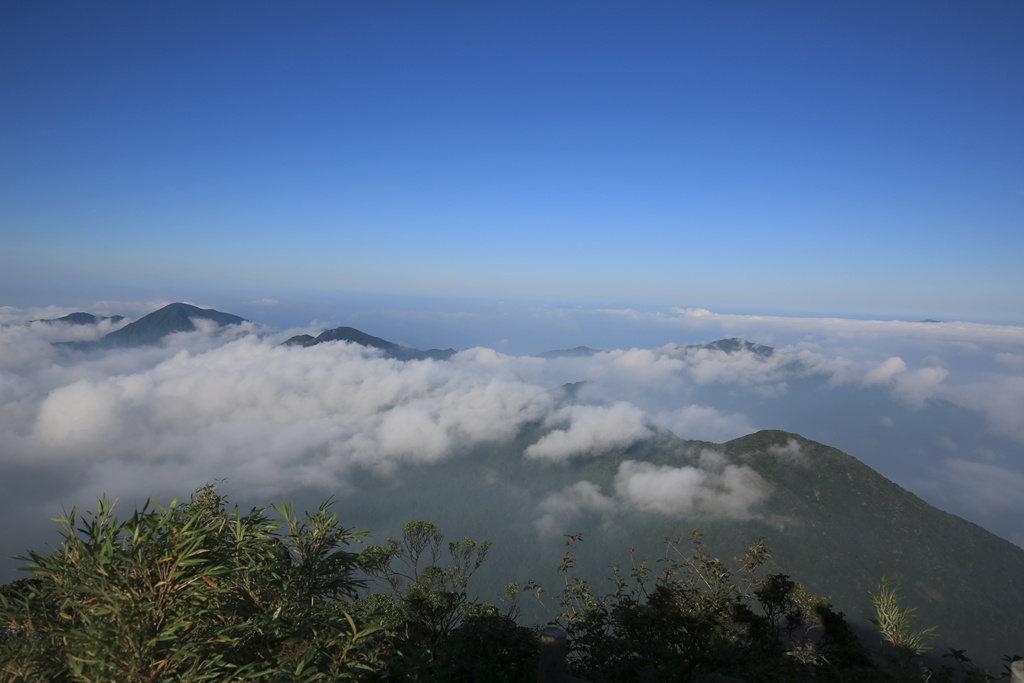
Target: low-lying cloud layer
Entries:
(235, 403)
(711, 488)
(590, 431)
(275, 411)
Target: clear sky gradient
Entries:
(841, 158)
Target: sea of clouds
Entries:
(934, 406)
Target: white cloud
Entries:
(643, 364)
(790, 453)
(560, 510)
(920, 385)
(743, 367)
(913, 386)
(1000, 400)
(483, 356)
(885, 372)
(692, 312)
(24, 350)
(591, 431)
(714, 489)
(330, 407)
(82, 417)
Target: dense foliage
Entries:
(700, 615)
(198, 592)
(189, 592)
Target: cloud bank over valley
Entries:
(936, 407)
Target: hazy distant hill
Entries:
(578, 352)
(732, 345)
(151, 329)
(351, 334)
(84, 319)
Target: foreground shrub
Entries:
(699, 615)
(425, 606)
(186, 593)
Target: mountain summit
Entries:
(840, 526)
(732, 345)
(151, 329)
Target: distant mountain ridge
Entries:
(352, 335)
(392, 350)
(80, 318)
(150, 330)
(731, 345)
(577, 352)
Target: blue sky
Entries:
(852, 159)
